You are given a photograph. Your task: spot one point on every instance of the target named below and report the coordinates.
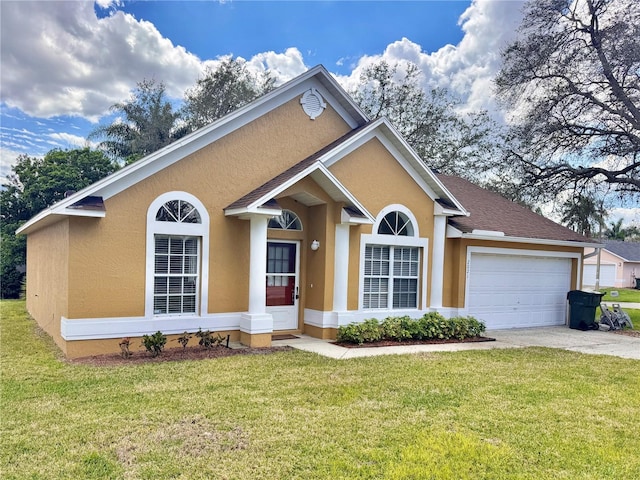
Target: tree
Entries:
(572, 81)
(222, 90)
(452, 143)
(582, 214)
(34, 184)
(615, 231)
(149, 123)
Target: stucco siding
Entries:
(108, 259)
(376, 178)
(47, 281)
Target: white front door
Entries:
(283, 260)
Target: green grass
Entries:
(624, 295)
(499, 414)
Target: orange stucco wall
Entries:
(377, 180)
(47, 281)
(107, 256)
(456, 259)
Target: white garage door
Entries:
(509, 291)
(607, 275)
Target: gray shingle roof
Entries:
(490, 211)
(630, 251)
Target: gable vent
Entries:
(312, 103)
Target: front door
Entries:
(282, 284)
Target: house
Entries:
(293, 214)
(619, 265)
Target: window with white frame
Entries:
(177, 233)
(391, 277)
(287, 220)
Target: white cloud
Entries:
(59, 58)
(467, 69)
(629, 216)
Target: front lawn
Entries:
(624, 295)
(498, 414)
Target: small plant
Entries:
(208, 340)
(184, 339)
(124, 347)
(154, 343)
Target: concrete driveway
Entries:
(592, 342)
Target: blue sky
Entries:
(63, 63)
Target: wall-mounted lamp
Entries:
(315, 245)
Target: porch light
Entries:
(315, 245)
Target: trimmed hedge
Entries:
(432, 325)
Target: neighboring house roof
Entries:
(627, 251)
(493, 216)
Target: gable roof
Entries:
(317, 77)
(627, 251)
(317, 166)
(494, 217)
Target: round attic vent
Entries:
(312, 103)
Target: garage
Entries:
(518, 290)
(607, 275)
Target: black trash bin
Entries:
(638, 283)
(582, 309)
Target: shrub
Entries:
(184, 339)
(207, 340)
(154, 343)
(397, 328)
(432, 325)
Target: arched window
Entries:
(177, 242)
(287, 220)
(178, 211)
(391, 277)
(396, 223)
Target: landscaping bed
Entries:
(173, 355)
(432, 341)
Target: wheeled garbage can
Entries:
(582, 309)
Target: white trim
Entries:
(394, 241)
(437, 264)
(343, 194)
(396, 207)
(534, 241)
(200, 230)
(118, 327)
(341, 267)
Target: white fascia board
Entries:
(453, 232)
(351, 220)
(534, 241)
(245, 213)
(344, 194)
(408, 159)
(487, 233)
(317, 77)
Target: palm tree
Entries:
(615, 231)
(583, 215)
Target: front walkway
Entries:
(591, 342)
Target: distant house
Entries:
(619, 265)
(294, 214)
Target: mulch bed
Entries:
(393, 343)
(173, 355)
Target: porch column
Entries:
(341, 268)
(437, 265)
(256, 325)
(258, 264)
